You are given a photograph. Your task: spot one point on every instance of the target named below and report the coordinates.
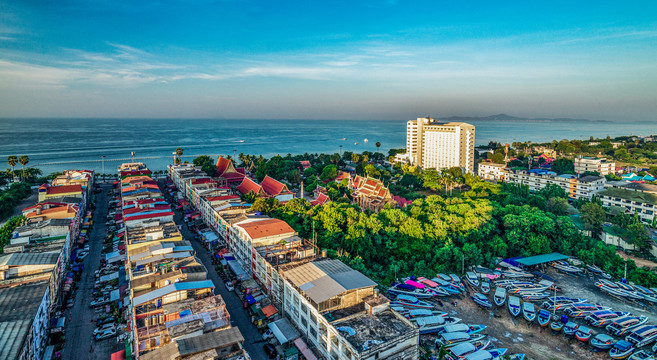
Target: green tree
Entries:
(563, 166)
(378, 145)
(179, 153)
(372, 171)
(557, 205)
(593, 215)
(250, 197)
(23, 160)
(12, 160)
(206, 163)
(265, 205)
(329, 172)
(310, 172)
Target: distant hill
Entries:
(505, 117)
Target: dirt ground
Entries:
(538, 343)
(639, 261)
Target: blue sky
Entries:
(328, 59)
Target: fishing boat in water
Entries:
(602, 342)
(621, 350)
(528, 311)
(625, 324)
(543, 317)
(514, 305)
(481, 300)
(499, 298)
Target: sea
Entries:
(58, 144)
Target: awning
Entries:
(237, 269)
(269, 311)
(114, 295)
(283, 330)
(119, 355)
(301, 345)
(250, 299)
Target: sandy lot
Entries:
(536, 342)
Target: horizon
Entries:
(339, 61)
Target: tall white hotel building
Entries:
(430, 144)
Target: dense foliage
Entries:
(207, 164)
(7, 230)
(439, 234)
(12, 196)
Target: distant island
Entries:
(514, 118)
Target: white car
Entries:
(106, 334)
(104, 328)
(86, 248)
(82, 254)
(268, 334)
(230, 286)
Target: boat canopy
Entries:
(415, 284)
(455, 336)
(479, 355)
(541, 259)
(430, 321)
(462, 349)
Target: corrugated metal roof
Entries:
(18, 306)
(188, 285)
(213, 340)
(18, 259)
(324, 279)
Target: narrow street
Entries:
(239, 317)
(80, 319)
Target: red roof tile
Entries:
(220, 198)
(321, 199)
(249, 185)
(64, 189)
(266, 228)
(273, 187)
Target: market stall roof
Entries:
(269, 310)
(301, 345)
(541, 259)
(283, 330)
(119, 355)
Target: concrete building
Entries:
(341, 314)
(491, 171)
(253, 233)
(592, 164)
(631, 201)
(536, 180)
(430, 144)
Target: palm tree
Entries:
(378, 145)
(12, 160)
(23, 160)
(355, 157)
(179, 152)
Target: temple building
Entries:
(370, 193)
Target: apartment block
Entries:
(576, 188)
(491, 171)
(434, 145)
(592, 164)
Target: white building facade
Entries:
(433, 145)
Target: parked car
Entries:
(270, 350)
(104, 327)
(86, 248)
(230, 286)
(70, 303)
(99, 302)
(268, 334)
(82, 254)
(106, 334)
(105, 320)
